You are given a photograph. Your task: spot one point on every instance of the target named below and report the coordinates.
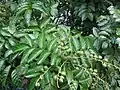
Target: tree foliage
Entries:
(60, 44)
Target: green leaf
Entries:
(2, 62)
(82, 42)
(95, 31)
(53, 29)
(5, 33)
(35, 54)
(19, 34)
(39, 6)
(52, 44)
(104, 33)
(32, 75)
(81, 12)
(43, 57)
(28, 16)
(97, 44)
(58, 61)
(45, 22)
(69, 76)
(54, 10)
(90, 16)
(26, 54)
(29, 40)
(8, 52)
(86, 80)
(54, 59)
(71, 45)
(47, 76)
(20, 47)
(22, 69)
(35, 69)
(84, 16)
(22, 7)
(89, 42)
(105, 44)
(16, 80)
(102, 22)
(11, 41)
(80, 73)
(1, 45)
(76, 43)
(32, 83)
(118, 82)
(41, 39)
(5, 74)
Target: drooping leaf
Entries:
(20, 47)
(51, 44)
(5, 74)
(8, 52)
(39, 6)
(35, 54)
(5, 33)
(41, 39)
(54, 59)
(12, 41)
(19, 34)
(104, 44)
(26, 54)
(29, 40)
(82, 42)
(32, 75)
(69, 76)
(28, 16)
(32, 83)
(45, 22)
(76, 43)
(80, 73)
(71, 45)
(43, 57)
(35, 69)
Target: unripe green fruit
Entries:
(42, 69)
(100, 57)
(74, 61)
(91, 69)
(104, 64)
(63, 48)
(105, 59)
(91, 55)
(66, 47)
(62, 39)
(75, 83)
(80, 52)
(63, 73)
(55, 77)
(45, 67)
(77, 68)
(95, 56)
(68, 50)
(59, 47)
(61, 43)
(95, 70)
(37, 84)
(61, 80)
(61, 77)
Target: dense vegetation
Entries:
(60, 44)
